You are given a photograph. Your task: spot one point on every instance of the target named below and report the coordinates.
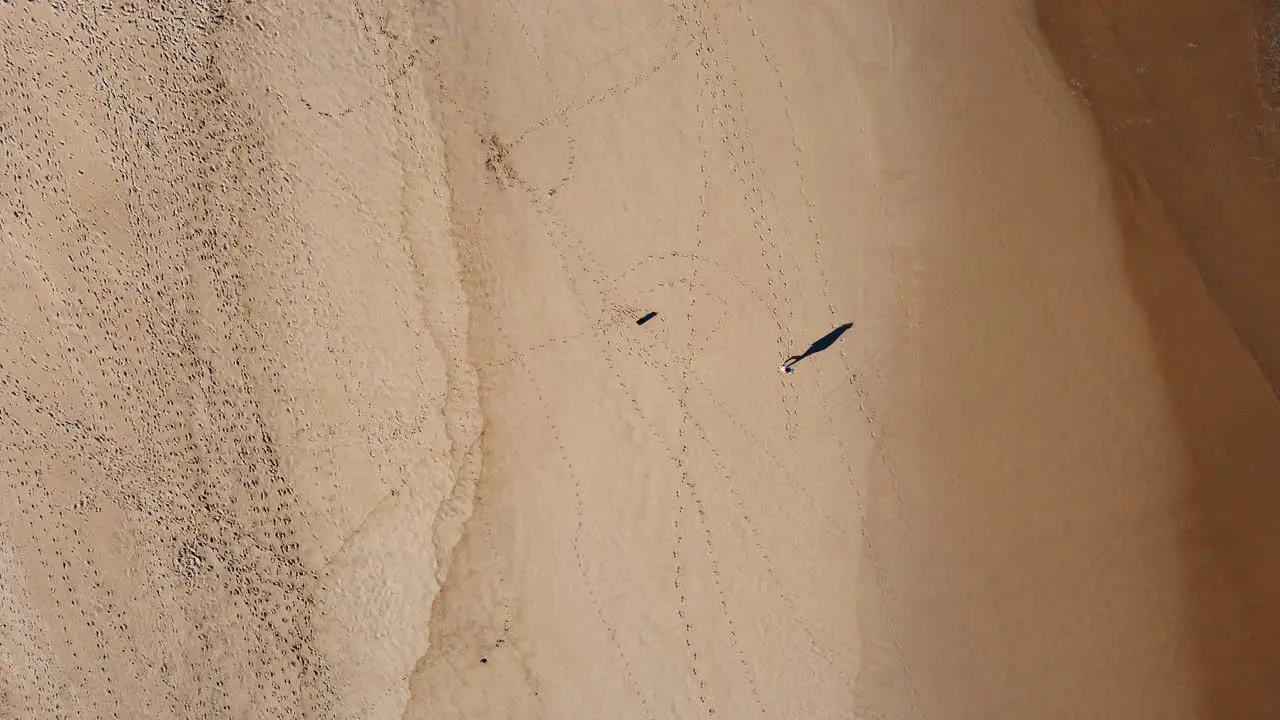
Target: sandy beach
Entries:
(422, 359)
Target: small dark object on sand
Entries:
(647, 318)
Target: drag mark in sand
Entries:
(686, 489)
(677, 457)
(539, 200)
(596, 98)
(392, 70)
(575, 479)
(718, 64)
(854, 378)
(682, 457)
(590, 268)
(608, 319)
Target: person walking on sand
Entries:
(818, 346)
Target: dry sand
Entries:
(322, 394)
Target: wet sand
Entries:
(1184, 95)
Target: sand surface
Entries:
(322, 393)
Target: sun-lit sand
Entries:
(323, 395)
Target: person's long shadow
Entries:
(818, 346)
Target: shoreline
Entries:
(1194, 190)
